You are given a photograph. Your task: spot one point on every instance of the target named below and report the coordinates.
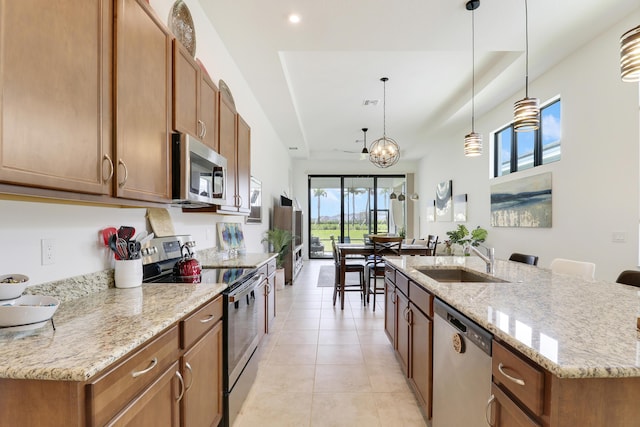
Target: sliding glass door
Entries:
(347, 208)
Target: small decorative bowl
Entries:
(12, 285)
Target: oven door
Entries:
(245, 312)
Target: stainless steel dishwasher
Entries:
(461, 369)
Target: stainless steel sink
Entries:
(455, 275)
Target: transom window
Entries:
(517, 151)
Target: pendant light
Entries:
(630, 55)
(364, 153)
(393, 196)
(526, 112)
(473, 141)
(384, 152)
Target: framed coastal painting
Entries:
(443, 201)
(460, 208)
(524, 202)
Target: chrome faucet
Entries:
(489, 258)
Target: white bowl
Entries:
(27, 309)
(13, 290)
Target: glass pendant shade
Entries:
(384, 152)
(630, 55)
(393, 196)
(473, 144)
(401, 197)
(526, 115)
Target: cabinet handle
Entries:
(107, 158)
(186, 365)
(126, 173)
(154, 362)
(409, 316)
(514, 379)
(393, 297)
(179, 398)
(208, 319)
(204, 130)
(487, 410)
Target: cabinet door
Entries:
(421, 366)
(209, 111)
(143, 103)
(243, 159)
(402, 331)
(390, 311)
(270, 290)
(156, 406)
(507, 413)
(227, 141)
(55, 102)
(202, 371)
(185, 91)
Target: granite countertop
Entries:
(572, 327)
(96, 323)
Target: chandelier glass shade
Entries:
(630, 55)
(473, 141)
(526, 112)
(384, 152)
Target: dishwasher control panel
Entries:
(467, 328)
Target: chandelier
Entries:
(473, 141)
(384, 152)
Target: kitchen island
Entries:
(579, 338)
(47, 374)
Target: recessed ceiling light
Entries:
(294, 18)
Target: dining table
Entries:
(362, 249)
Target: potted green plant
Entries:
(461, 236)
(280, 241)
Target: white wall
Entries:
(595, 184)
(75, 228)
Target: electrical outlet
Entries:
(619, 237)
(48, 251)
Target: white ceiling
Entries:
(311, 78)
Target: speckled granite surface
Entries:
(571, 327)
(96, 323)
(211, 259)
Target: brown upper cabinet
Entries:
(235, 145)
(55, 81)
(195, 98)
(143, 103)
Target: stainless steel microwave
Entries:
(199, 174)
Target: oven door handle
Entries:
(245, 289)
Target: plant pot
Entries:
(280, 278)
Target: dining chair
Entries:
(523, 258)
(432, 244)
(349, 268)
(629, 277)
(382, 245)
(583, 269)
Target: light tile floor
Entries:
(322, 366)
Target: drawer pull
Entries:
(487, 411)
(514, 379)
(179, 398)
(208, 319)
(154, 362)
(186, 365)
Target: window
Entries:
(517, 151)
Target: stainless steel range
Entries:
(244, 311)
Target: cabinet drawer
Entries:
(390, 273)
(200, 321)
(114, 389)
(421, 298)
(271, 266)
(523, 380)
(402, 283)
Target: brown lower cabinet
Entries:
(409, 326)
(174, 379)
